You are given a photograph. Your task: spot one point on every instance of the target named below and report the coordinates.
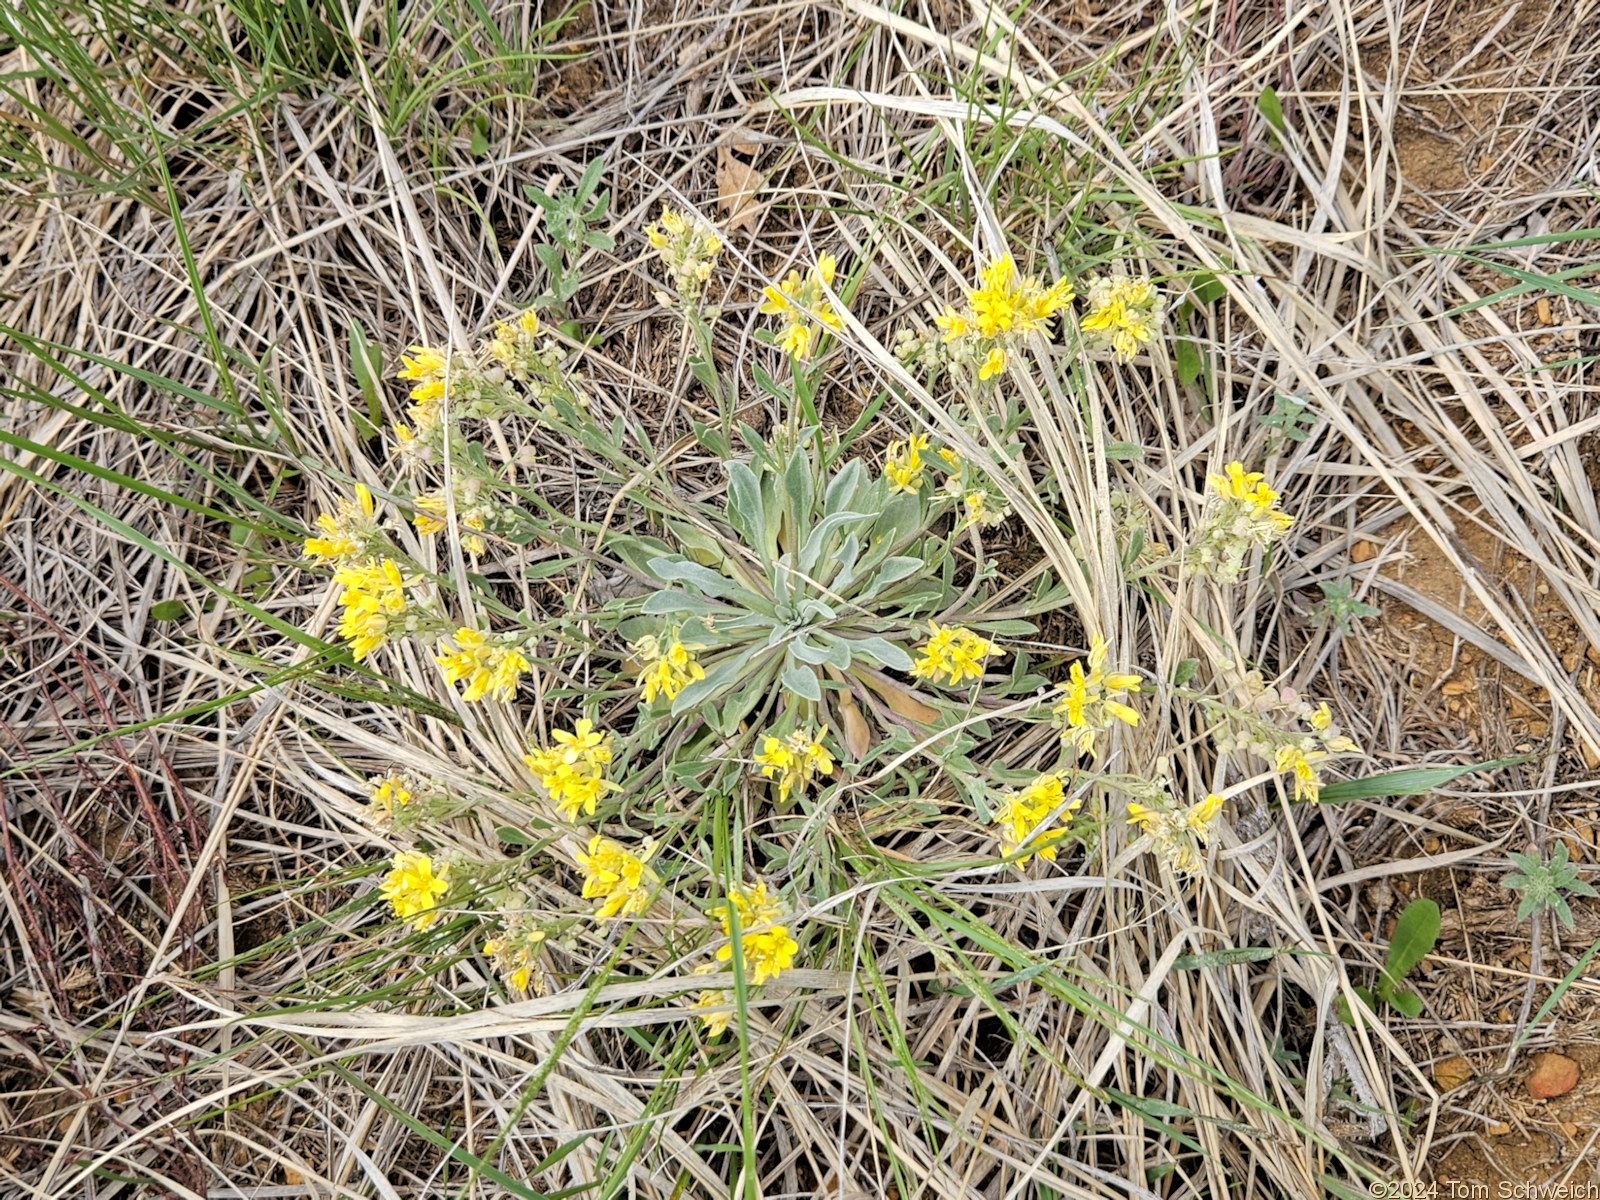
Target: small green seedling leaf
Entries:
(1546, 885)
(366, 360)
(1407, 1003)
(1272, 109)
(1190, 365)
(1208, 288)
(168, 610)
(1415, 935)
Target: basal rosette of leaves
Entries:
(806, 596)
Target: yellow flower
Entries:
(688, 247)
(347, 532)
(1179, 834)
(513, 340)
(954, 652)
(433, 511)
(490, 668)
(515, 955)
(768, 950)
(801, 303)
(982, 508)
(956, 325)
(1090, 705)
(374, 594)
(665, 671)
(716, 998)
(1245, 515)
(903, 467)
(620, 879)
(390, 794)
(1023, 812)
(1007, 303)
(423, 364)
(1303, 761)
(1249, 490)
(767, 954)
(573, 770)
(754, 906)
(1123, 315)
(796, 761)
(1003, 309)
(413, 888)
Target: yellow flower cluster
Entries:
(1091, 705)
(1005, 307)
(767, 948)
(428, 370)
(803, 305)
(718, 998)
(350, 534)
(903, 467)
(413, 888)
(795, 761)
(389, 795)
(1303, 756)
(1124, 314)
(1180, 834)
(1263, 721)
(665, 670)
(688, 248)
(621, 880)
(980, 504)
(516, 347)
(1021, 813)
(515, 955)
(433, 516)
(373, 599)
(573, 770)
(1243, 515)
(489, 667)
(954, 653)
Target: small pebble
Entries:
(1452, 1073)
(1553, 1075)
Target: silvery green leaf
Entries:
(812, 550)
(884, 652)
(799, 488)
(815, 610)
(842, 487)
(807, 653)
(659, 604)
(670, 570)
(772, 501)
(849, 551)
(721, 677)
(893, 571)
(839, 654)
(1011, 628)
(802, 681)
(746, 513)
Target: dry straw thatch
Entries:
(200, 993)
